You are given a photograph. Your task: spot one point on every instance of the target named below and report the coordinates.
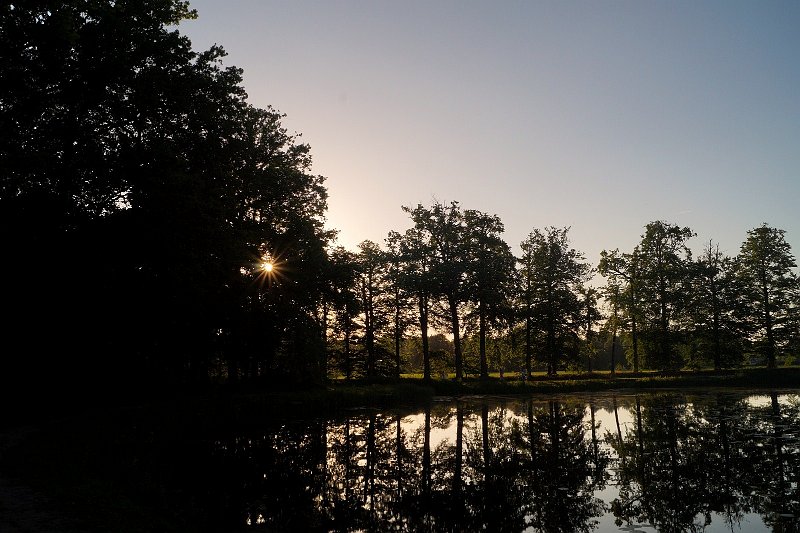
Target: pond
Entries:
(667, 461)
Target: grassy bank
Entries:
(408, 391)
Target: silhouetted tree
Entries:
(398, 292)
(557, 272)
(764, 266)
(590, 314)
(346, 303)
(140, 160)
(613, 296)
(445, 227)
(664, 259)
(624, 286)
(490, 273)
(526, 276)
(714, 324)
(416, 277)
(372, 269)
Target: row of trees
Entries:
(452, 271)
(713, 308)
(140, 192)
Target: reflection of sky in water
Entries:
(608, 424)
(760, 400)
(363, 445)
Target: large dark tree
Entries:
(346, 306)
(449, 262)
(713, 315)
(137, 186)
(556, 274)
(372, 282)
(665, 263)
(399, 295)
(765, 265)
(590, 315)
(490, 274)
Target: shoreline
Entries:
(381, 393)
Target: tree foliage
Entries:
(769, 289)
(138, 192)
(715, 309)
(664, 262)
(557, 273)
(624, 283)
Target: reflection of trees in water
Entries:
(662, 478)
(535, 466)
(776, 455)
(564, 471)
(497, 470)
(271, 478)
(684, 462)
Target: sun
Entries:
(269, 269)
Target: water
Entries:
(720, 461)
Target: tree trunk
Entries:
(528, 347)
(482, 335)
(716, 321)
(423, 326)
(551, 353)
(456, 338)
(348, 369)
(370, 339)
(635, 339)
(397, 338)
(768, 328)
(614, 344)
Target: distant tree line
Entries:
(142, 198)
(660, 308)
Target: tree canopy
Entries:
(138, 193)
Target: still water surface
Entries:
(668, 461)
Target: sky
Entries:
(600, 116)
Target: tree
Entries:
(765, 264)
(612, 295)
(525, 279)
(556, 274)
(141, 160)
(416, 277)
(491, 266)
(449, 267)
(590, 314)
(343, 274)
(623, 287)
(665, 260)
(372, 285)
(713, 314)
(399, 296)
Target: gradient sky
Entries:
(598, 115)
